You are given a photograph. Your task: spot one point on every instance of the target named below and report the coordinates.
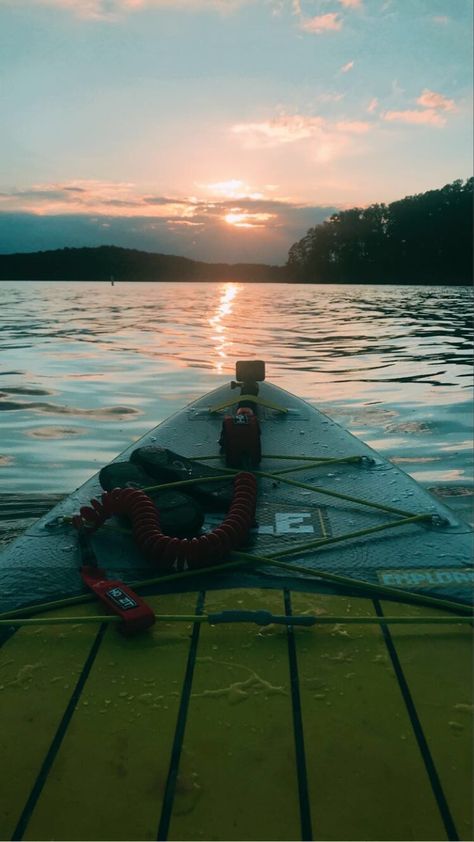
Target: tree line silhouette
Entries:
(426, 238)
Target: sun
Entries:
(244, 219)
(239, 220)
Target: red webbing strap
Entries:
(240, 438)
(119, 598)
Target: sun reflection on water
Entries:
(218, 324)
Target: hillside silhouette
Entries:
(105, 262)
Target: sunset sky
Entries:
(223, 129)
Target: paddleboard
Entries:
(320, 688)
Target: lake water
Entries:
(87, 368)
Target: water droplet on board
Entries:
(379, 659)
(464, 708)
(145, 698)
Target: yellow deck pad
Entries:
(39, 669)
(108, 779)
(234, 731)
(438, 665)
(366, 776)
(238, 750)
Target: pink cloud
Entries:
(280, 130)
(373, 105)
(351, 4)
(430, 99)
(432, 104)
(330, 22)
(114, 200)
(115, 9)
(428, 117)
(346, 67)
(441, 20)
(323, 139)
(92, 196)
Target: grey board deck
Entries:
(432, 558)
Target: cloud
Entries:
(164, 201)
(111, 10)
(232, 189)
(433, 104)
(440, 20)
(227, 230)
(430, 99)
(427, 116)
(323, 140)
(281, 130)
(87, 196)
(118, 200)
(346, 67)
(115, 10)
(331, 22)
(373, 105)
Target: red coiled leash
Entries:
(176, 553)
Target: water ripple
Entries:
(122, 358)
